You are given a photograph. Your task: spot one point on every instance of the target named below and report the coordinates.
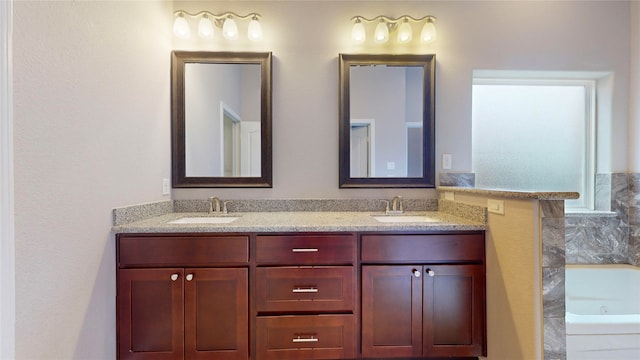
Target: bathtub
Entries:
(603, 312)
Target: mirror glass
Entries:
(221, 119)
(387, 120)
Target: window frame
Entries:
(586, 202)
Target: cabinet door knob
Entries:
(189, 277)
(174, 277)
(416, 273)
(430, 273)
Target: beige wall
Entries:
(514, 284)
(91, 119)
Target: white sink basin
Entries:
(404, 218)
(204, 220)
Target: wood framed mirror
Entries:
(221, 119)
(386, 121)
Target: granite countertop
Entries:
(300, 221)
(514, 194)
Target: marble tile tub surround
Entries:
(553, 278)
(611, 236)
(457, 179)
(128, 214)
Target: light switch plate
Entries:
(446, 161)
(166, 187)
(495, 206)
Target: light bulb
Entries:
(428, 33)
(181, 27)
(404, 32)
(230, 29)
(358, 35)
(255, 30)
(205, 28)
(381, 34)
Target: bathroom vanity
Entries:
(300, 286)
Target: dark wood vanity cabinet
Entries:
(423, 295)
(167, 308)
(300, 296)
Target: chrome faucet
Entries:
(396, 206)
(214, 204)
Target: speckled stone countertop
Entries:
(514, 194)
(303, 221)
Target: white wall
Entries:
(91, 117)
(307, 36)
(7, 237)
(634, 98)
(91, 113)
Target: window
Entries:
(535, 134)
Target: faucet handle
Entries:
(224, 206)
(386, 210)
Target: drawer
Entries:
(459, 247)
(305, 337)
(321, 249)
(290, 289)
(182, 250)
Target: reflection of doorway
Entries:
(251, 146)
(362, 140)
(229, 141)
(414, 149)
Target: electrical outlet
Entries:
(448, 195)
(166, 187)
(446, 161)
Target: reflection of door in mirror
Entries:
(362, 148)
(240, 144)
(414, 149)
(219, 98)
(393, 95)
(230, 142)
(250, 150)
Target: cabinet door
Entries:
(391, 311)
(454, 315)
(216, 314)
(150, 314)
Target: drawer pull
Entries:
(305, 290)
(305, 340)
(303, 250)
(174, 277)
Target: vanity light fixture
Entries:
(358, 33)
(225, 21)
(181, 26)
(230, 29)
(386, 25)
